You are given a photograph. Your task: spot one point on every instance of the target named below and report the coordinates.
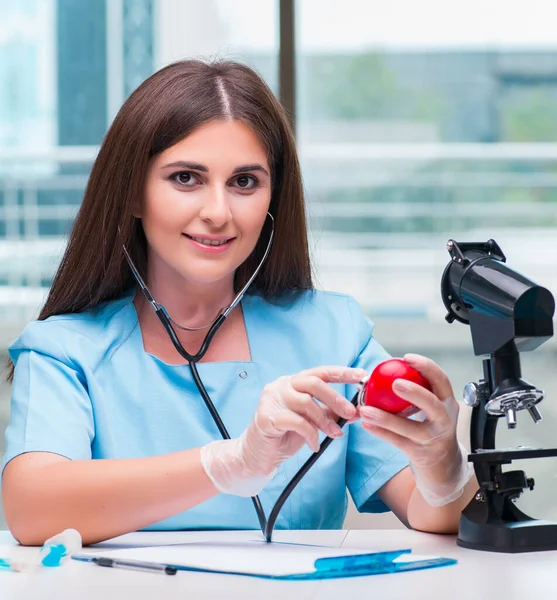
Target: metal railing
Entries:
(366, 248)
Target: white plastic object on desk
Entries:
(60, 547)
(53, 553)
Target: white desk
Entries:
(477, 576)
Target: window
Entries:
(420, 122)
(65, 69)
(416, 122)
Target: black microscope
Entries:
(507, 314)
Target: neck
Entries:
(189, 304)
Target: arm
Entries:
(440, 482)
(405, 500)
(99, 498)
(45, 493)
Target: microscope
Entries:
(507, 314)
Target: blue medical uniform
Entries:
(85, 388)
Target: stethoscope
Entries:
(267, 525)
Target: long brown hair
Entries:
(164, 109)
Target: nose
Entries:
(216, 207)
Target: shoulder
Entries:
(72, 337)
(329, 307)
(319, 316)
(310, 301)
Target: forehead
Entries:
(218, 141)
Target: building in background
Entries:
(27, 75)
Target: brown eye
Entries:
(185, 178)
(246, 182)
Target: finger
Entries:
(305, 405)
(420, 397)
(440, 384)
(335, 418)
(356, 418)
(287, 421)
(336, 374)
(390, 437)
(316, 387)
(412, 430)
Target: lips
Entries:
(209, 241)
(207, 245)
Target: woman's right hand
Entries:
(288, 415)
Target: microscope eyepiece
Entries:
(507, 313)
(499, 304)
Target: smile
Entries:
(208, 242)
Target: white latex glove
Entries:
(438, 461)
(287, 417)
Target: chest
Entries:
(146, 408)
(230, 343)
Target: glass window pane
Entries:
(244, 30)
(428, 71)
(65, 69)
(420, 122)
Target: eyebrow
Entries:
(245, 168)
(199, 167)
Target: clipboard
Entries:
(276, 561)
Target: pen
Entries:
(136, 565)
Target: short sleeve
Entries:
(50, 406)
(370, 461)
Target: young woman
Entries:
(197, 187)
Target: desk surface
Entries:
(477, 576)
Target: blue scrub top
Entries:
(85, 388)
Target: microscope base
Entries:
(482, 529)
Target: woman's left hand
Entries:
(437, 460)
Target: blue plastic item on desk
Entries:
(52, 553)
(51, 556)
(357, 565)
(370, 564)
(5, 565)
(61, 546)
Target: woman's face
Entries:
(206, 201)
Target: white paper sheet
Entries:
(250, 557)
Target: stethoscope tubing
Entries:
(266, 525)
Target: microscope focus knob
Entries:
(473, 393)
